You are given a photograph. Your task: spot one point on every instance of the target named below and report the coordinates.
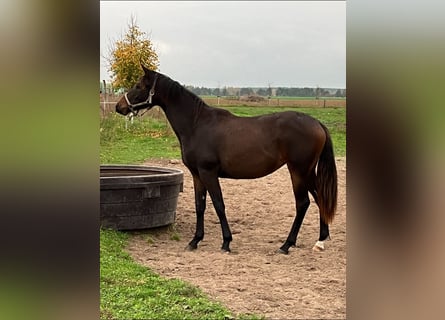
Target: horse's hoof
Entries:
(318, 247)
(282, 251)
(191, 248)
(225, 246)
(225, 250)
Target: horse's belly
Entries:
(249, 168)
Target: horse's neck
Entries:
(182, 112)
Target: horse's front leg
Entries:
(200, 205)
(211, 182)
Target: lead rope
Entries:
(143, 112)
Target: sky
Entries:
(237, 44)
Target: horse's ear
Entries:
(146, 71)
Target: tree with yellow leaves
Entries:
(127, 54)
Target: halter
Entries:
(148, 101)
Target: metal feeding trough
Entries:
(138, 197)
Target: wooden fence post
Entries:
(105, 100)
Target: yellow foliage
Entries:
(128, 53)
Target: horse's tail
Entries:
(326, 180)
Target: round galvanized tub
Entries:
(138, 197)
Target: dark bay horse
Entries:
(215, 143)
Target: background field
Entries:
(108, 102)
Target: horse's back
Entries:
(297, 123)
(289, 127)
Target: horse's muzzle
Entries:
(122, 107)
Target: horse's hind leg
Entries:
(302, 204)
(200, 205)
(324, 235)
(324, 228)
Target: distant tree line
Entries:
(265, 92)
(248, 91)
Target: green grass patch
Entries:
(131, 291)
(145, 138)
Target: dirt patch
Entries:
(253, 278)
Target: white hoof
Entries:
(319, 246)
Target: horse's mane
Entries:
(175, 90)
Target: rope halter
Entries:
(146, 102)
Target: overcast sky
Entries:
(217, 44)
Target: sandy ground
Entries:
(254, 278)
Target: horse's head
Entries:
(140, 96)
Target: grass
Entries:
(125, 142)
(131, 291)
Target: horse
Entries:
(217, 144)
